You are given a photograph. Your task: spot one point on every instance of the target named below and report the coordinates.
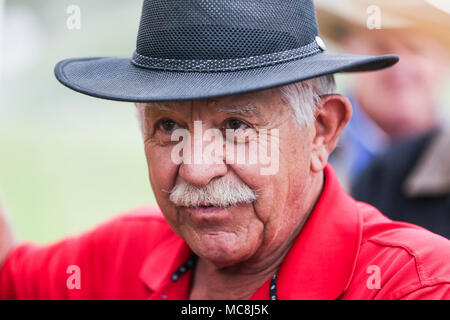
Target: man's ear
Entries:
(332, 115)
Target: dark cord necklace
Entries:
(190, 263)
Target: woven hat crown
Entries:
(200, 49)
(220, 35)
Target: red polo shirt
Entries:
(346, 250)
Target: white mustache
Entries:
(219, 193)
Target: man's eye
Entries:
(167, 125)
(236, 124)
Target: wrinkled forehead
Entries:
(249, 104)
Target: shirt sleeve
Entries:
(435, 292)
(40, 272)
(58, 270)
(101, 263)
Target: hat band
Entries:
(265, 60)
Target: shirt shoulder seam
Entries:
(424, 278)
(412, 289)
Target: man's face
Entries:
(401, 99)
(244, 232)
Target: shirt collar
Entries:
(322, 259)
(164, 259)
(319, 265)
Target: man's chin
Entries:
(223, 249)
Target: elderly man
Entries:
(227, 229)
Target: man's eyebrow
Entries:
(243, 110)
(159, 106)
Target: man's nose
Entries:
(205, 159)
(200, 175)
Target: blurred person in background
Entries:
(409, 105)
(411, 181)
(395, 152)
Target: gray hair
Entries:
(303, 97)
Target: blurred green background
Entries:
(68, 161)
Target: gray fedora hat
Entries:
(196, 49)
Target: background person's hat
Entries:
(209, 48)
(339, 18)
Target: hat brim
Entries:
(118, 79)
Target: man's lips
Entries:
(207, 208)
(207, 212)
